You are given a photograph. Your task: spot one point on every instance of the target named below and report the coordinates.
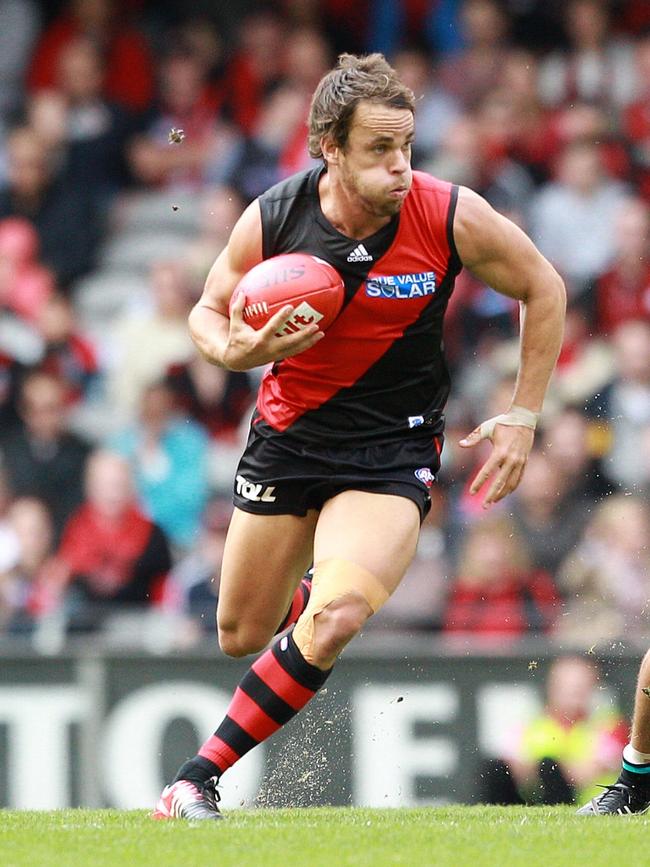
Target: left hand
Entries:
(511, 445)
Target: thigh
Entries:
(376, 531)
(264, 559)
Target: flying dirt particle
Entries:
(398, 699)
(175, 136)
(592, 649)
(174, 207)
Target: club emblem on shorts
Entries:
(416, 420)
(425, 475)
(256, 493)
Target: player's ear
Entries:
(330, 150)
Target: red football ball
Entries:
(312, 286)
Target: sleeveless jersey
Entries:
(379, 372)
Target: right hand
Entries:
(247, 348)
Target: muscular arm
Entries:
(502, 256)
(221, 335)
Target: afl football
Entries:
(311, 285)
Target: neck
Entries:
(345, 210)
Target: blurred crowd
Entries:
(132, 135)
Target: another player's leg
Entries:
(631, 792)
(264, 561)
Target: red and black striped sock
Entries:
(273, 690)
(298, 604)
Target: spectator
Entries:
(111, 556)
(61, 211)
(42, 458)
(31, 523)
(25, 285)
(67, 353)
(20, 21)
(129, 70)
(220, 210)
(622, 407)
(474, 72)
(546, 514)
(606, 579)
(597, 67)
(9, 544)
(95, 128)
(498, 594)
(255, 67)
(21, 347)
(571, 445)
(168, 454)
(266, 155)
(531, 142)
(623, 292)
(193, 586)
(585, 363)
(572, 219)
(437, 109)
(559, 756)
(188, 103)
(164, 332)
(635, 121)
(216, 398)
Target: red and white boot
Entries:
(186, 800)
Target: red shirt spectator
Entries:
(623, 292)
(499, 593)
(129, 69)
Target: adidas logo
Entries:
(360, 254)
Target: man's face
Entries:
(375, 163)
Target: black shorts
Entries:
(279, 475)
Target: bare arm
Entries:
(222, 337)
(502, 256)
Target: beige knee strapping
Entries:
(332, 580)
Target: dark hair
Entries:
(340, 91)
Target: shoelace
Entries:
(211, 793)
(612, 795)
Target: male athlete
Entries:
(347, 433)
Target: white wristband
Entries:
(517, 416)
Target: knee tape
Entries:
(334, 579)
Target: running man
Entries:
(346, 438)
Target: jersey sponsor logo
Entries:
(402, 286)
(256, 493)
(303, 315)
(425, 476)
(359, 254)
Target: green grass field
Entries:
(336, 837)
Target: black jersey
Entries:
(380, 369)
